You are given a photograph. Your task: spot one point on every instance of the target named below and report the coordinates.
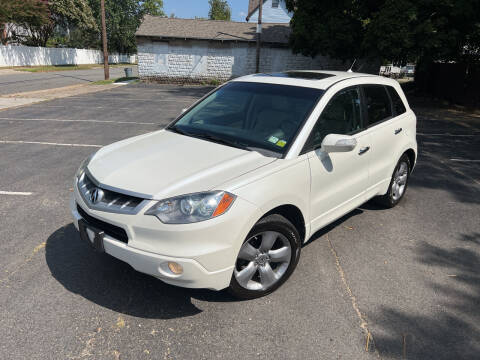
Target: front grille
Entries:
(111, 230)
(107, 200)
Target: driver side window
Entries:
(342, 115)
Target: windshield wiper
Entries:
(220, 140)
(209, 137)
(178, 130)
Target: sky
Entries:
(188, 9)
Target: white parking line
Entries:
(80, 120)
(15, 193)
(442, 161)
(46, 143)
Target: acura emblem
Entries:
(96, 195)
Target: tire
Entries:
(395, 191)
(267, 258)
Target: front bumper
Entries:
(207, 250)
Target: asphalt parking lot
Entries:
(399, 283)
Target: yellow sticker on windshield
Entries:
(281, 143)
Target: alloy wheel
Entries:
(263, 260)
(399, 181)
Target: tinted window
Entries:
(377, 103)
(254, 116)
(397, 102)
(340, 116)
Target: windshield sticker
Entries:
(273, 139)
(281, 143)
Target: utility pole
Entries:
(104, 41)
(259, 35)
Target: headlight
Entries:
(192, 208)
(83, 166)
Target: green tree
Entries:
(445, 30)
(77, 23)
(28, 14)
(400, 31)
(74, 22)
(123, 18)
(219, 10)
(63, 14)
(73, 13)
(397, 30)
(325, 27)
(152, 7)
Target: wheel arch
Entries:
(293, 214)
(412, 157)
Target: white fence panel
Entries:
(12, 55)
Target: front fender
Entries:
(287, 183)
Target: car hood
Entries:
(164, 164)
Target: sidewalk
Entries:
(13, 81)
(31, 97)
(7, 72)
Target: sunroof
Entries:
(299, 75)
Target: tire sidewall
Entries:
(271, 223)
(392, 201)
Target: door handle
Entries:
(399, 130)
(363, 150)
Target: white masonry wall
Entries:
(188, 60)
(12, 55)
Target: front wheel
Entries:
(398, 183)
(266, 259)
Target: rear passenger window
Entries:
(377, 102)
(398, 106)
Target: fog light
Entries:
(175, 268)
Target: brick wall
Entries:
(198, 61)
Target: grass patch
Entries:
(212, 82)
(103, 82)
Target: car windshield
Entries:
(253, 116)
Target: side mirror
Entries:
(183, 110)
(338, 143)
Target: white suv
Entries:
(226, 195)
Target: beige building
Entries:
(200, 50)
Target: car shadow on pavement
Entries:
(115, 285)
(453, 332)
(325, 230)
(431, 173)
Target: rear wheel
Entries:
(266, 259)
(398, 184)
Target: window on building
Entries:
(275, 3)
